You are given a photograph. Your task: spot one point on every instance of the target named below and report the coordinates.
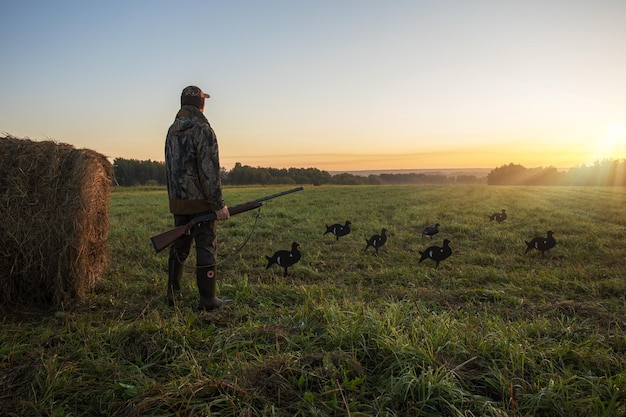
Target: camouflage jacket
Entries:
(192, 164)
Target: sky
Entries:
(331, 84)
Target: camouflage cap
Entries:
(192, 90)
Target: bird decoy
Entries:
(338, 229)
(436, 253)
(431, 230)
(284, 258)
(499, 217)
(377, 241)
(542, 244)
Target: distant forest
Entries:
(607, 172)
(129, 172)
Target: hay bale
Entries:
(54, 221)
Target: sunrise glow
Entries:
(614, 142)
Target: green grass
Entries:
(491, 332)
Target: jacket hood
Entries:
(188, 117)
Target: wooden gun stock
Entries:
(163, 240)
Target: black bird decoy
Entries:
(436, 253)
(431, 230)
(339, 230)
(284, 258)
(377, 241)
(542, 244)
(499, 217)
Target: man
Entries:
(194, 186)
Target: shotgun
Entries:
(163, 240)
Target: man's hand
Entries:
(222, 214)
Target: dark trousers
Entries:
(205, 237)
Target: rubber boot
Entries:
(175, 273)
(206, 280)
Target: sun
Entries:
(613, 144)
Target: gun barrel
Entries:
(269, 197)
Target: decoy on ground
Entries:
(377, 241)
(284, 258)
(542, 244)
(339, 230)
(431, 230)
(436, 253)
(499, 217)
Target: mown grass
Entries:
(491, 332)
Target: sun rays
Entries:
(612, 144)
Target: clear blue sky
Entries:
(352, 84)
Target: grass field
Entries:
(491, 332)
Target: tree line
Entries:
(129, 172)
(606, 173)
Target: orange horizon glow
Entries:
(541, 148)
(395, 162)
(607, 143)
(535, 155)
